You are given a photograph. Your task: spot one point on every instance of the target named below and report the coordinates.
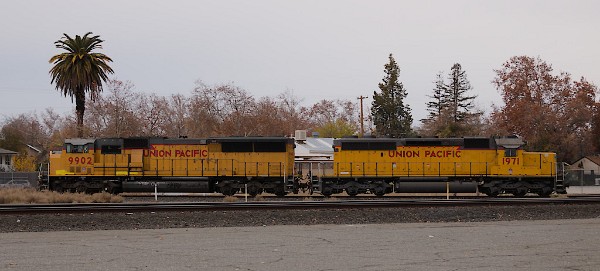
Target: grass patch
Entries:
(32, 196)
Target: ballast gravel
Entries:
(241, 218)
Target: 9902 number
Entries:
(80, 160)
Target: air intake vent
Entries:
(300, 135)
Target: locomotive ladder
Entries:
(559, 180)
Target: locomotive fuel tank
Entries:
(169, 185)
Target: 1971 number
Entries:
(510, 161)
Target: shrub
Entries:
(29, 195)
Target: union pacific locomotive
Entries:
(196, 165)
(266, 164)
(492, 165)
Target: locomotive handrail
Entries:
(229, 167)
(426, 169)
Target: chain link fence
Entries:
(581, 177)
(32, 177)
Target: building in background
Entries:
(585, 171)
(7, 160)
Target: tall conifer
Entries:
(390, 115)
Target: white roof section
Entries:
(80, 141)
(314, 148)
(3, 151)
(510, 142)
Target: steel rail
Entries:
(212, 206)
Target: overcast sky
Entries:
(317, 49)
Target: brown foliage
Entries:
(334, 118)
(219, 110)
(552, 112)
(44, 131)
(30, 195)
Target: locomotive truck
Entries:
(228, 165)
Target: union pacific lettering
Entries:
(175, 153)
(405, 154)
(431, 153)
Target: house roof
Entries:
(3, 151)
(594, 159)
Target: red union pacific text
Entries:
(407, 154)
(431, 153)
(176, 153)
(443, 153)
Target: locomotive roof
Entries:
(471, 142)
(145, 141)
(403, 141)
(250, 139)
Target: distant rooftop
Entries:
(3, 151)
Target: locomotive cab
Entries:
(75, 159)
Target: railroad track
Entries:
(339, 204)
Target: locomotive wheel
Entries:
(254, 190)
(327, 191)
(228, 190)
(546, 191)
(108, 189)
(81, 188)
(352, 191)
(379, 191)
(492, 192)
(279, 191)
(520, 192)
(58, 188)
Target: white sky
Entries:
(318, 49)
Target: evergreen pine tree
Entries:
(450, 108)
(438, 102)
(390, 115)
(460, 104)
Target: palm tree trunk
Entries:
(80, 110)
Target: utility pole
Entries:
(362, 129)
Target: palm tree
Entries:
(78, 71)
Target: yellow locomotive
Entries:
(266, 164)
(493, 165)
(195, 165)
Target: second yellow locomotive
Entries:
(495, 165)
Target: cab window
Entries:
(510, 152)
(70, 148)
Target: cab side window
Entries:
(510, 152)
(70, 148)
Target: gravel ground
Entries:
(199, 219)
